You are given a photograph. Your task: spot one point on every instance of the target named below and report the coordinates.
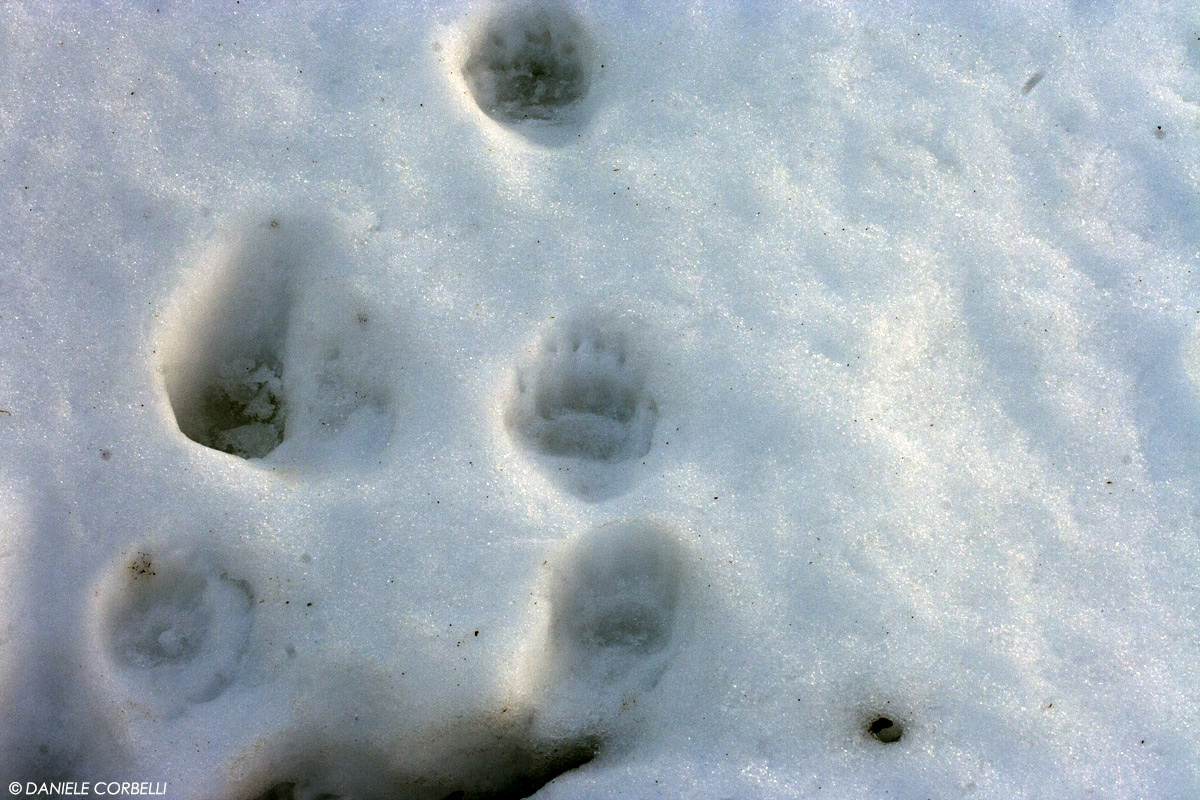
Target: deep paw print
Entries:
(223, 359)
(273, 353)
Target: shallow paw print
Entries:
(614, 606)
(583, 398)
(174, 625)
(342, 399)
(531, 67)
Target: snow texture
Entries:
(587, 399)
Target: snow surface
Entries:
(644, 398)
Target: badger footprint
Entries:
(274, 347)
(614, 606)
(583, 399)
(531, 65)
(223, 359)
(174, 624)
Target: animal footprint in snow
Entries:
(582, 399)
(278, 351)
(223, 360)
(342, 362)
(174, 624)
(615, 606)
(530, 67)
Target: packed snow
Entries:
(600, 399)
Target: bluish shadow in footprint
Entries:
(616, 600)
(173, 626)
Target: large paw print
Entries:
(278, 351)
(223, 362)
(618, 617)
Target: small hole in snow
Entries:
(885, 730)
